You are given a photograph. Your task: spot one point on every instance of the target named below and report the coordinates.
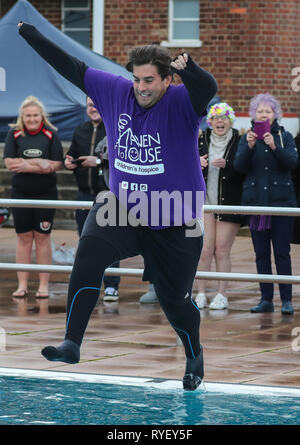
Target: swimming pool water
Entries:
(35, 401)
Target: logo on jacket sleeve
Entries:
(48, 133)
(17, 133)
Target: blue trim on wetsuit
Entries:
(181, 330)
(195, 305)
(83, 288)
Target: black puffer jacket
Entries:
(230, 181)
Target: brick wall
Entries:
(253, 50)
(249, 46)
(131, 23)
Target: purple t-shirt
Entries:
(153, 152)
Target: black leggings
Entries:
(94, 255)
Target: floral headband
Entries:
(220, 109)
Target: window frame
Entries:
(84, 8)
(171, 42)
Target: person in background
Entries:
(82, 158)
(204, 124)
(150, 296)
(217, 148)
(33, 152)
(268, 161)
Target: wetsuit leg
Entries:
(184, 317)
(93, 256)
(99, 247)
(171, 261)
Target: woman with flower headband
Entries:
(217, 148)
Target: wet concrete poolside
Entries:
(130, 339)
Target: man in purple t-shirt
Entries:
(156, 183)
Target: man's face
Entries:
(92, 112)
(148, 85)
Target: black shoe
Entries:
(263, 306)
(287, 308)
(67, 352)
(194, 372)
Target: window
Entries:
(76, 20)
(183, 23)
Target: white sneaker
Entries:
(150, 296)
(219, 302)
(111, 294)
(201, 300)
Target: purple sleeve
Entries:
(104, 88)
(183, 103)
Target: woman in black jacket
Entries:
(267, 163)
(217, 148)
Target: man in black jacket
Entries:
(82, 159)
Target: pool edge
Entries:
(166, 384)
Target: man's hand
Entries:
(180, 62)
(68, 163)
(88, 161)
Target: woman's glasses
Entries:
(216, 118)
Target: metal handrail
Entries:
(246, 210)
(139, 273)
(60, 204)
(51, 204)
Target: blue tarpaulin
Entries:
(23, 72)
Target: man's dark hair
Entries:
(153, 55)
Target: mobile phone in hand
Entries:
(77, 161)
(261, 127)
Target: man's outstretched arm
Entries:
(68, 66)
(201, 85)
